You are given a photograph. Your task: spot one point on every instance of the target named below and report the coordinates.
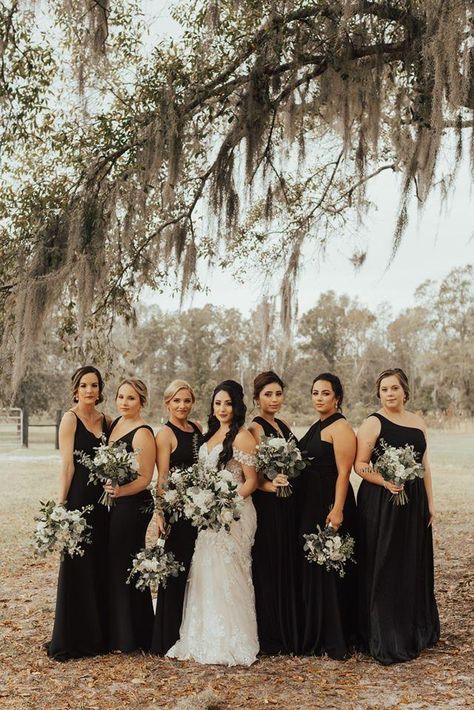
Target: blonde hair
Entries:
(139, 386)
(174, 387)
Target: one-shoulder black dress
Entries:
(130, 611)
(275, 565)
(180, 541)
(80, 621)
(329, 601)
(398, 616)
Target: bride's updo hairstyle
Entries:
(239, 410)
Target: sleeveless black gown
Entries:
(398, 616)
(329, 601)
(80, 623)
(130, 611)
(180, 541)
(275, 565)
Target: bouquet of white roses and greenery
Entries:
(61, 530)
(275, 455)
(327, 547)
(174, 496)
(208, 498)
(152, 566)
(399, 465)
(112, 462)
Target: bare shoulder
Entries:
(370, 427)
(245, 441)
(68, 421)
(164, 434)
(416, 420)
(255, 429)
(143, 437)
(341, 426)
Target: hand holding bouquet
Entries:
(61, 530)
(398, 465)
(112, 463)
(152, 566)
(277, 456)
(327, 547)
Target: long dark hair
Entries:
(239, 410)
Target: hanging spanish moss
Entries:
(214, 124)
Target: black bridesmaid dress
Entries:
(180, 541)
(80, 621)
(329, 601)
(398, 616)
(130, 611)
(275, 565)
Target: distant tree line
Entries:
(432, 341)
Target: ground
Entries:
(441, 678)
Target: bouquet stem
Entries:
(107, 499)
(399, 498)
(284, 491)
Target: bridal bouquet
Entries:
(327, 547)
(61, 530)
(152, 566)
(208, 498)
(399, 465)
(276, 455)
(113, 463)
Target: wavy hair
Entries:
(239, 410)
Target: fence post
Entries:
(25, 428)
(59, 414)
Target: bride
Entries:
(219, 623)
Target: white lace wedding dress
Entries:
(219, 623)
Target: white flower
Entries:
(277, 443)
(171, 497)
(203, 499)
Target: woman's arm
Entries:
(427, 478)
(144, 444)
(67, 430)
(367, 435)
(245, 442)
(164, 444)
(344, 443)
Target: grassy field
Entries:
(441, 678)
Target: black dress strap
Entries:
(285, 429)
(271, 430)
(179, 431)
(330, 420)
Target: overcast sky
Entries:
(434, 243)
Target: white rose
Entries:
(203, 499)
(277, 443)
(171, 497)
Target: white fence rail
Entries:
(11, 427)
